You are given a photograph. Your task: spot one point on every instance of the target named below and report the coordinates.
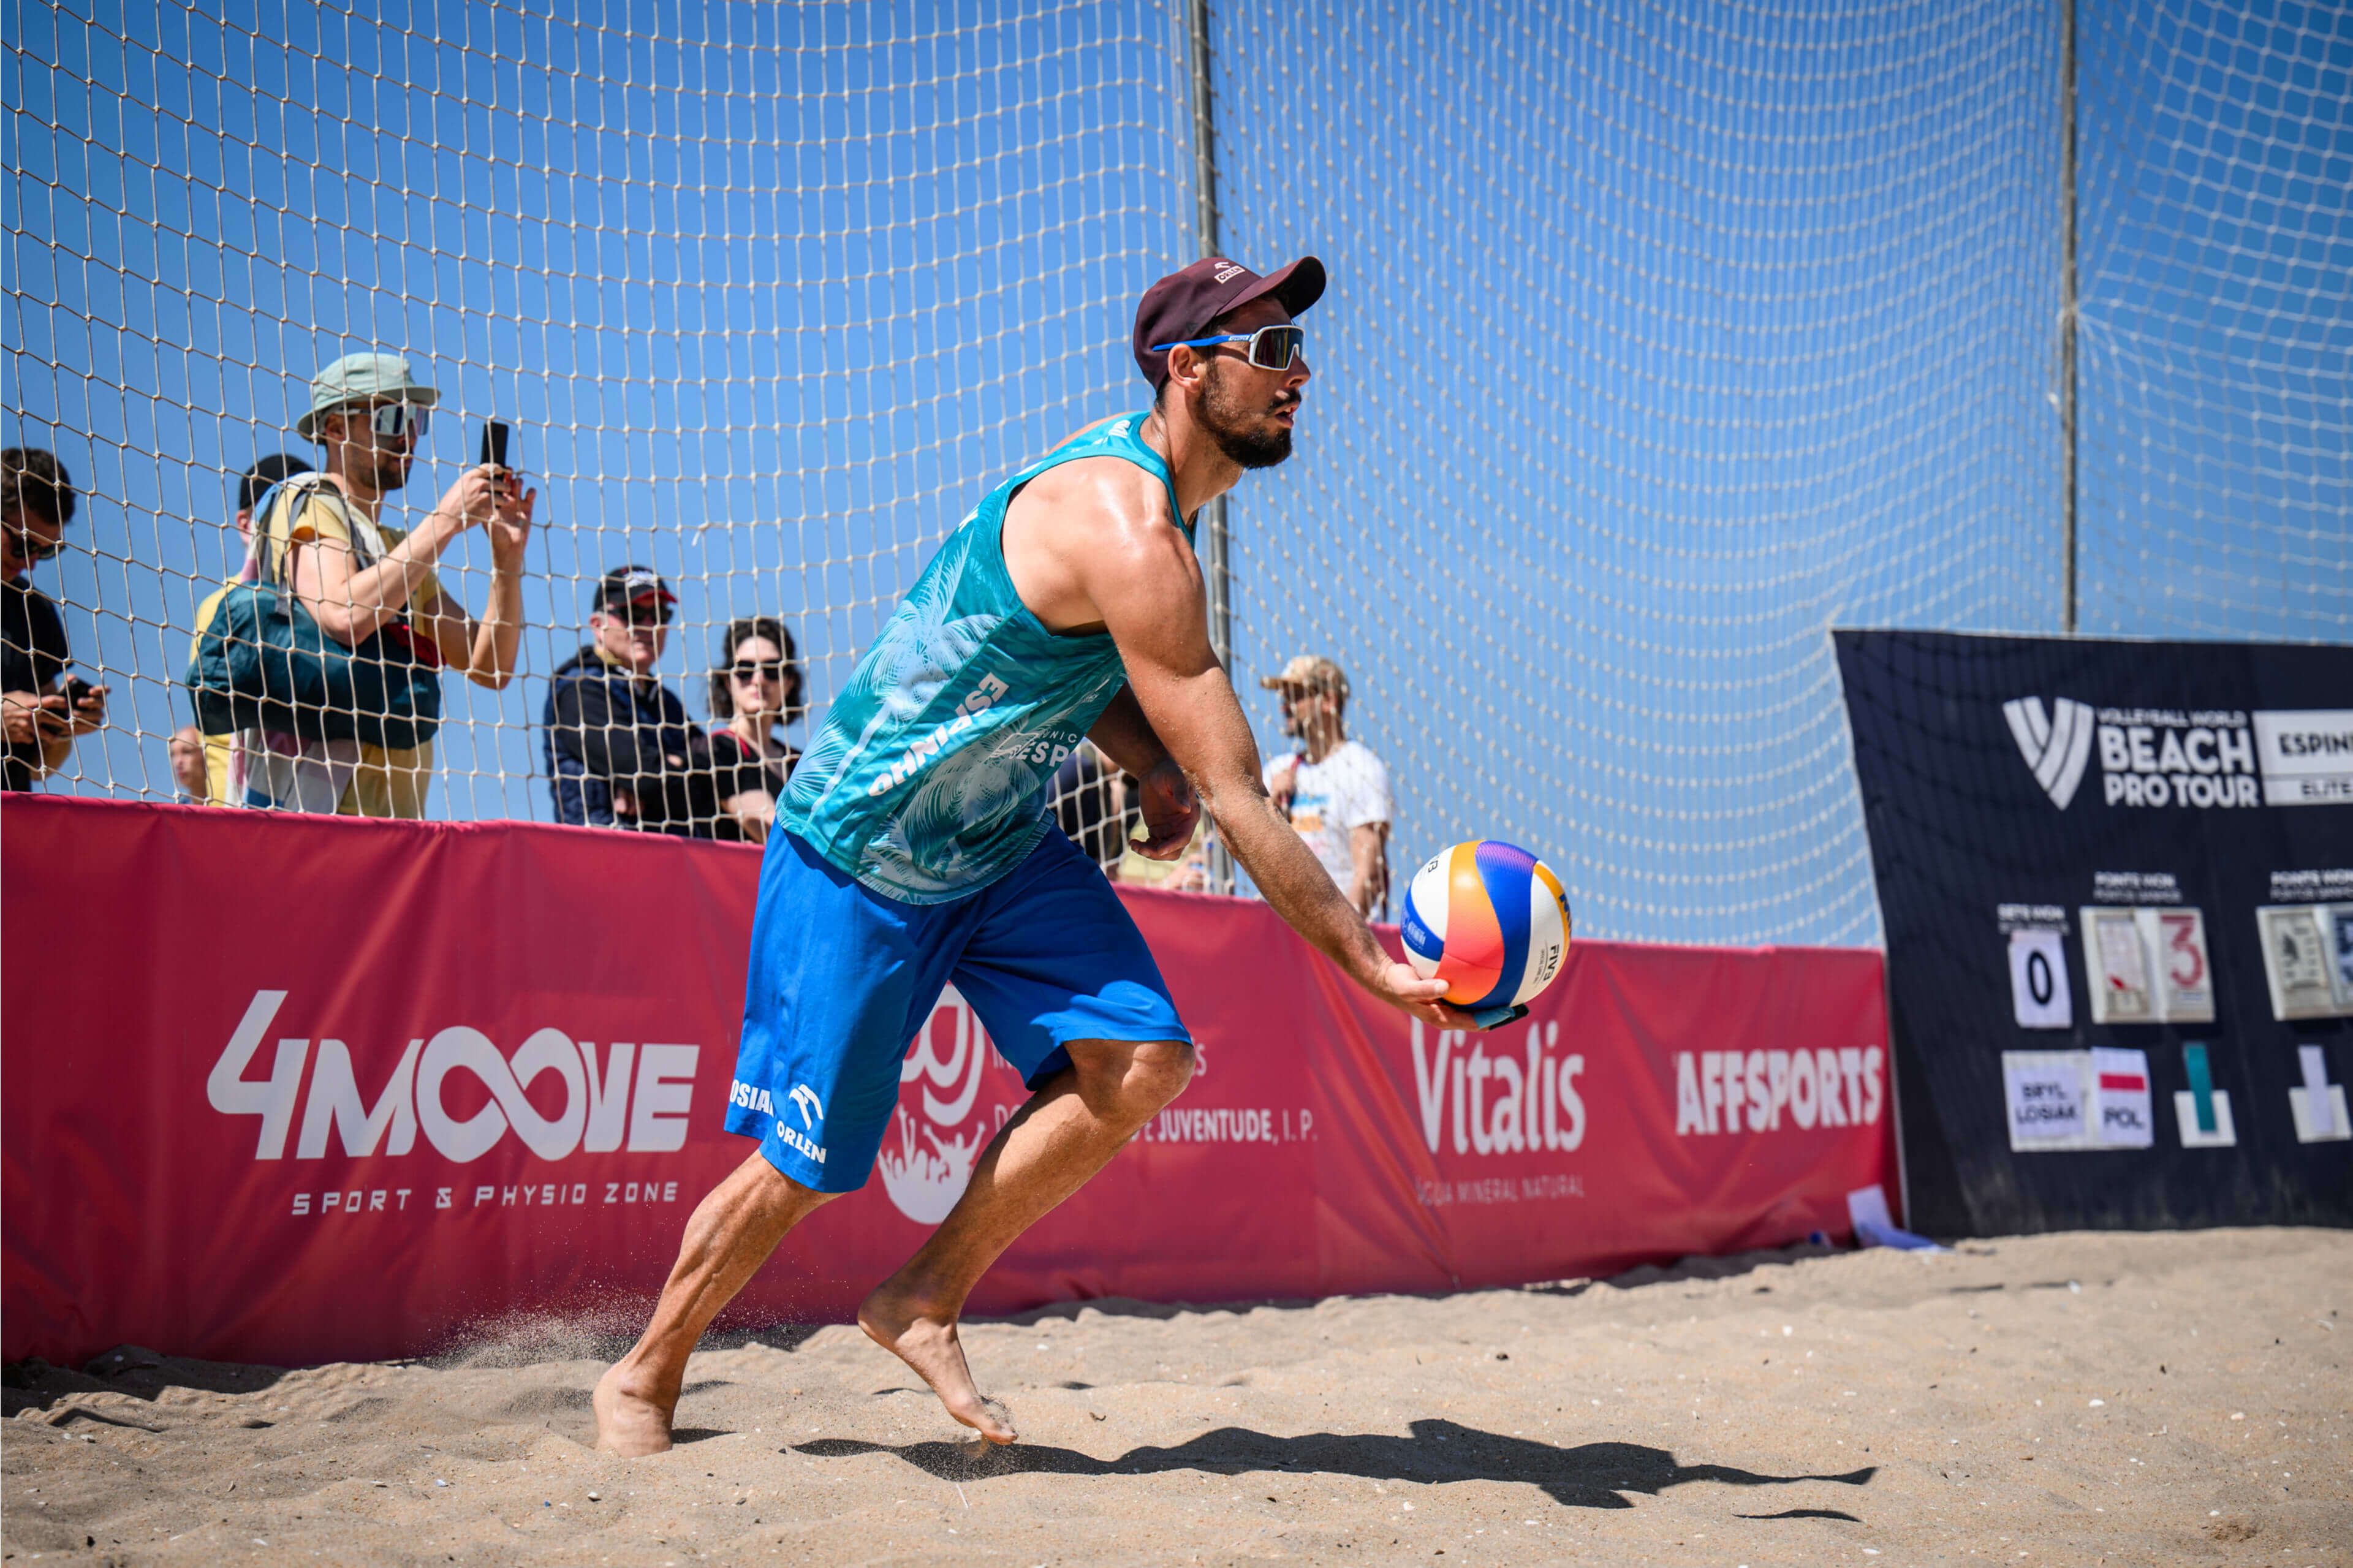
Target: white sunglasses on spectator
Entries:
(400, 419)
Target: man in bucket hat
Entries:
(321, 538)
(914, 848)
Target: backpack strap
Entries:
(359, 534)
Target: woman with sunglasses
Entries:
(757, 688)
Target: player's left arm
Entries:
(1163, 795)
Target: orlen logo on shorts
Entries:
(638, 1097)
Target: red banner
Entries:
(299, 1089)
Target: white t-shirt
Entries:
(1343, 792)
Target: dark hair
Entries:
(31, 477)
(737, 633)
(256, 481)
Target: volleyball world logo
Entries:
(2056, 748)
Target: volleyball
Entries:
(1491, 919)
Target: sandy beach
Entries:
(2073, 1398)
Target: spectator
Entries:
(1091, 805)
(251, 486)
(621, 750)
(357, 577)
(1335, 791)
(219, 751)
(758, 687)
(1188, 873)
(1090, 801)
(188, 752)
(43, 712)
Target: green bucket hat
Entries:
(357, 377)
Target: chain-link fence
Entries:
(1659, 339)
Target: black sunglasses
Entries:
(745, 669)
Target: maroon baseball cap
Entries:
(1183, 304)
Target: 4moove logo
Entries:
(637, 1098)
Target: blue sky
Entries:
(1662, 339)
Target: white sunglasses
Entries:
(1270, 348)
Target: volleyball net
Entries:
(1659, 340)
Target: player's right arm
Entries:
(1146, 582)
(352, 601)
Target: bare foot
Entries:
(629, 1423)
(930, 1346)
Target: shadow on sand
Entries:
(1590, 1475)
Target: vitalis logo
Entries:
(2056, 751)
(637, 1097)
(1499, 1106)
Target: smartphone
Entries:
(494, 443)
(75, 689)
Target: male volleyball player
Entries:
(916, 848)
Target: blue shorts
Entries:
(842, 977)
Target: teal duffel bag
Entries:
(263, 663)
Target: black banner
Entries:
(2117, 879)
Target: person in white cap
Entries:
(321, 537)
(1335, 791)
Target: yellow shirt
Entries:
(1191, 868)
(309, 511)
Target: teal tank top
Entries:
(927, 780)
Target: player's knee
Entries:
(1129, 1080)
(772, 1189)
(1158, 1073)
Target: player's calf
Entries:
(730, 1233)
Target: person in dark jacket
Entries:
(621, 750)
(1089, 798)
(45, 711)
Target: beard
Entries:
(1234, 426)
(391, 471)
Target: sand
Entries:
(2077, 1398)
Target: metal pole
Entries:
(1205, 156)
(1215, 565)
(1205, 234)
(2067, 311)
